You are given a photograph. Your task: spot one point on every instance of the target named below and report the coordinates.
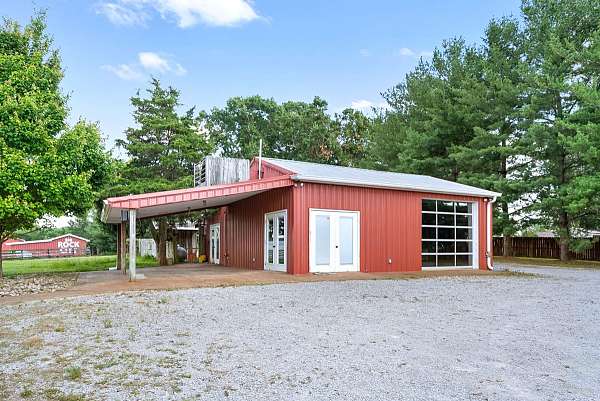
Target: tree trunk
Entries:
(162, 242)
(174, 245)
(507, 245)
(507, 248)
(564, 236)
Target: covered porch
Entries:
(125, 211)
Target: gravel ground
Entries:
(36, 283)
(471, 338)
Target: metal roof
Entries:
(324, 173)
(190, 199)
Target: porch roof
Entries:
(179, 201)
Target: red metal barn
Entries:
(300, 217)
(64, 245)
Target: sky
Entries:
(345, 51)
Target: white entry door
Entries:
(276, 241)
(215, 243)
(334, 241)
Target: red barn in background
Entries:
(63, 245)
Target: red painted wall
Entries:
(390, 225)
(67, 245)
(268, 170)
(242, 228)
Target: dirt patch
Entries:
(35, 284)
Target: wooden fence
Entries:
(534, 247)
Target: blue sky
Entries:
(346, 52)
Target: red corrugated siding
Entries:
(390, 225)
(242, 227)
(268, 170)
(50, 247)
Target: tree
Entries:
(290, 130)
(493, 157)
(562, 137)
(162, 149)
(432, 113)
(238, 127)
(46, 168)
(354, 131)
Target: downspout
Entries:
(260, 159)
(488, 252)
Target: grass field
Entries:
(547, 262)
(63, 265)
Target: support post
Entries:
(119, 250)
(123, 253)
(132, 244)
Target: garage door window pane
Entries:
(463, 246)
(463, 207)
(445, 246)
(428, 246)
(428, 219)
(463, 220)
(445, 219)
(428, 205)
(463, 233)
(445, 206)
(428, 260)
(464, 260)
(446, 260)
(445, 233)
(428, 233)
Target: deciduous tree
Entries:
(46, 168)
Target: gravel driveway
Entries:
(476, 338)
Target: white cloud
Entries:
(148, 62)
(362, 104)
(124, 71)
(408, 52)
(405, 51)
(120, 14)
(364, 52)
(186, 13)
(151, 61)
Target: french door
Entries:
(215, 243)
(334, 241)
(276, 241)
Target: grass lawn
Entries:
(547, 262)
(62, 265)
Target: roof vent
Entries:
(213, 170)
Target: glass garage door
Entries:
(447, 234)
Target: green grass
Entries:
(73, 372)
(65, 265)
(547, 262)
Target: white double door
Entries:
(215, 243)
(276, 241)
(334, 241)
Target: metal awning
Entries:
(179, 201)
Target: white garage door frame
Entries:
(474, 240)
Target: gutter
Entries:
(488, 252)
(333, 181)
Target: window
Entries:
(447, 233)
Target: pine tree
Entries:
(562, 138)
